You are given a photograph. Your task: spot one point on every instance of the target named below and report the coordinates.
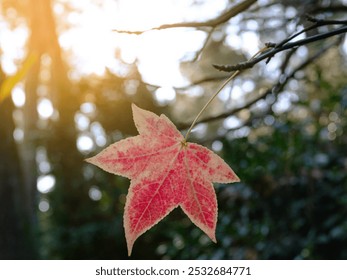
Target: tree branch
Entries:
(281, 47)
(233, 11)
(277, 88)
(329, 9)
(207, 39)
(202, 81)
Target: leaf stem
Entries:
(218, 91)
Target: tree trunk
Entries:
(60, 143)
(16, 229)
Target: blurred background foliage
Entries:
(281, 126)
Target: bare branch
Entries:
(279, 48)
(277, 88)
(329, 9)
(207, 39)
(233, 11)
(202, 81)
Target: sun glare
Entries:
(45, 108)
(91, 44)
(45, 183)
(18, 95)
(94, 42)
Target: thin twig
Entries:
(202, 81)
(316, 23)
(277, 88)
(207, 39)
(208, 103)
(217, 92)
(233, 11)
(275, 50)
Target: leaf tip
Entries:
(130, 240)
(236, 179)
(134, 107)
(90, 160)
(232, 177)
(137, 111)
(130, 248)
(213, 237)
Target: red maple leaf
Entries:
(165, 172)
